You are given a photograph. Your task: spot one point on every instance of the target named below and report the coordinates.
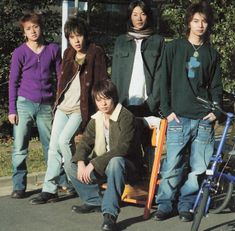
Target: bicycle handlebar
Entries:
(211, 105)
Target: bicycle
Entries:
(217, 187)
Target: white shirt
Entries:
(137, 89)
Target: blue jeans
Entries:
(117, 172)
(29, 113)
(61, 148)
(200, 135)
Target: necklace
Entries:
(195, 53)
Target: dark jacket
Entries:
(178, 90)
(92, 70)
(122, 138)
(122, 65)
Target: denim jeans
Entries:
(117, 172)
(29, 113)
(61, 148)
(199, 134)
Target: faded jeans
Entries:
(116, 172)
(29, 113)
(61, 147)
(200, 135)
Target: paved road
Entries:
(19, 215)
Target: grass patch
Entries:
(35, 160)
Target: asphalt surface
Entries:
(20, 215)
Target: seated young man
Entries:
(108, 150)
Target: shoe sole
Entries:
(165, 217)
(104, 229)
(44, 202)
(90, 211)
(185, 220)
(18, 197)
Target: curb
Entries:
(34, 181)
(32, 178)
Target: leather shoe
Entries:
(85, 208)
(160, 215)
(185, 216)
(109, 223)
(18, 194)
(43, 198)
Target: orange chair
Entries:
(143, 191)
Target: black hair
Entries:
(76, 25)
(146, 9)
(105, 88)
(202, 8)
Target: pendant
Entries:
(195, 54)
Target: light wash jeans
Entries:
(117, 172)
(61, 147)
(199, 135)
(29, 113)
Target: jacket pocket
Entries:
(123, 53)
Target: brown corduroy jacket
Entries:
(92, 70)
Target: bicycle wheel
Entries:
(222, 196)
(198, 214)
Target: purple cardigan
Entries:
(31, 74)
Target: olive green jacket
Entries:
(122, 65)
(121, 137)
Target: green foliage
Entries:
(35, 161)
(11, 36)
(222, 38)
(105, 26)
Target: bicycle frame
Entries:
(211, 172)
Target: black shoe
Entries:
(160, 215)
(185, 216)
(43, 198)
(109, 223)
(85, 208)
(18, 194)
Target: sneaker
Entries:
(18, 194)
(159, 215)
(43, 198)
(185, 216)
(85, 208)
(109, 223)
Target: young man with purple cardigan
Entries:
(31, 95)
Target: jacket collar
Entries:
(113, 117)
(71, 53)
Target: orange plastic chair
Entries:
(143, 192)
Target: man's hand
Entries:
(86, 177)
(211, 117)
(81, 168)
(13, 118)
(84, 172)
(172, 117)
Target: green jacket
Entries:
(176, 87)
(121, 137)
(122, 64)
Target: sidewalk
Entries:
(34, 182)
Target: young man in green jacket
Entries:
(108, 150)
(190, 68)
